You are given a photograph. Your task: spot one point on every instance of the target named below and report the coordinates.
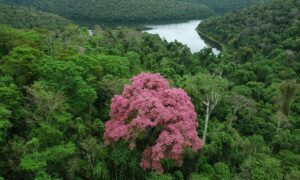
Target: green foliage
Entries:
(222, 171)
(21, 64)
(223, 6)
(198, 177)
(262, 166)
(279, 22)
(66, 76)
(205, 87)
(22, 17)
(5, 124)
(56, 87)
(114, 65)
(116, 10)
(154, 176)
(37, 161)
(134, 62)
(11, 38)
(288, 92)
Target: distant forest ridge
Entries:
(264, 28)
(23, 17)
(224, 6)
(135, 10)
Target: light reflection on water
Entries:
(182, 32)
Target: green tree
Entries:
(239, 103)
(222, 171)
(288, 91)
(67, 77)
(262, 166)
(210, 90)
(22, 64)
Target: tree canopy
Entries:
(69, 108)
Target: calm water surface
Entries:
(182, 32)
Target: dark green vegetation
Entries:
(135, 10)
(120, 10)
(223, 6)
(22, 17)
(56, 87)
(265, 29)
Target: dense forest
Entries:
(136, 10)
(223, 6)
(268, 28)
(22, 17)
(119, 10)
(58, 87)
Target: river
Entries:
(184, 32)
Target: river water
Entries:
(184, 32)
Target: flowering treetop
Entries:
(150, 108)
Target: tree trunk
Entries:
(207, 115)
(278, 126)
(233, 116)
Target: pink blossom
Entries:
(146, 104)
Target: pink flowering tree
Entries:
(149, 110)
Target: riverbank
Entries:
(211, 41)
(184, 32)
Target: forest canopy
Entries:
(120, 10)
(135, 10)
(223, 6)
(22, 17)
(64, 92)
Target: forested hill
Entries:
(120, 10)
(266, 28)
(223, 6)
(22, 17)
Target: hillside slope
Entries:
(224, 6)
(119, 10)
(264, 28)
(22, 17)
